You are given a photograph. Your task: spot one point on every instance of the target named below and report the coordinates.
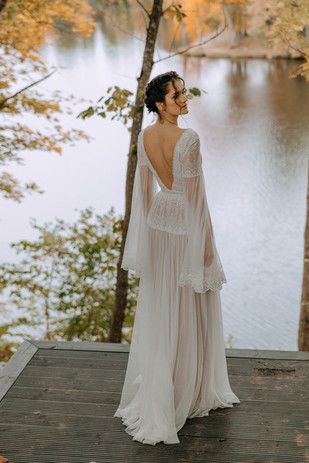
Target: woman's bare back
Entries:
(159, 145)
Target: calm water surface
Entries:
(253, 125)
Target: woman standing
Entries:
(177, 367)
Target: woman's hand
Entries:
(209, 253)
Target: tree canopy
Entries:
(25, 26)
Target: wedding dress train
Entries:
(177, 366)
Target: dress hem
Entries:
(133, 423)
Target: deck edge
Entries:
(120, 347)
(82, 345)
(16, 364)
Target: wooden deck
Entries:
(57, 402)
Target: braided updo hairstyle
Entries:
(157, 88)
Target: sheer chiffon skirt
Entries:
(176, 367)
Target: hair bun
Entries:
(150, 104)
(157, 88)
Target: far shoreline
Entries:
(248, 48)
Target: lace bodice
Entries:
(167, 209)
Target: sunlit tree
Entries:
(26, 25)
(289, 27)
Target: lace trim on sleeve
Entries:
(211, 282)
(191, 162)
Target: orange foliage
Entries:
(25, 26)
(200, 16)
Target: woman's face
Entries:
(176, 99)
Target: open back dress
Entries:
(177, 366)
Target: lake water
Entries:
(253, 125)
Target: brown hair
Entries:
(157, 89)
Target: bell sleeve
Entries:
(201, 266)
(136, 245)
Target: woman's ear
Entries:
(160, 106)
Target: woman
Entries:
(177, 366)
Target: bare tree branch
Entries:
(116, 26)
(142, 6)
(285, 39)
(208, 39)
(5, 100)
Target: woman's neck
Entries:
(170, 121)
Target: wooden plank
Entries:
(90, 355)
(219, 422)
(12, 369)
(61, 395)
(68, 395)
(74, 373)
(262, 383)
(244, 366)
(51, 407)
(197, 427)
(257, 375)
(89, 434)
(268, 354)
(76, 362)
(84, 346)
(117, 447)
(86, 384)
(99, 374)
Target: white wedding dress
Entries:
(176, 367)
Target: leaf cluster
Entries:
(118, 104)
(63, 287)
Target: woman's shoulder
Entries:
(191, 138)
(192, 132)
(148, 128)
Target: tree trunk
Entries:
(236, 22)
(303, 330)
(2, 4)
(122, 275)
